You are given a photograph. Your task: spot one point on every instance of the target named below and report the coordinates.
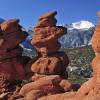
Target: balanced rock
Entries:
(45, 41)
(50, 67)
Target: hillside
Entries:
(80, 59)
(78, 34)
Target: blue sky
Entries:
(69, 11)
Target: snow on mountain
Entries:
(78, 34)
(82, 25)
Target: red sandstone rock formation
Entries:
(50, 66)
(46, 43)
(11, 67)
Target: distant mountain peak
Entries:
(82, 25)
(78, 34)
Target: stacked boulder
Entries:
(11, 65)
(49, 67)
(45, 40)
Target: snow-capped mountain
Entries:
(78, 34)
(82, 25)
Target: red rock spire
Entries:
(50, 65)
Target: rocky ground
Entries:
(80, 64)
